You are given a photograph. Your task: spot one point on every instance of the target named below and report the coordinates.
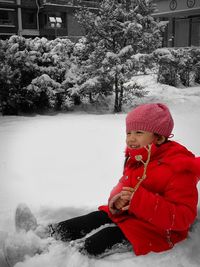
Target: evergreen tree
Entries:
(114, 33)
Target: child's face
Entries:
(139, 139)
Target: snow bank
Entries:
(59, 254)
(65, 165)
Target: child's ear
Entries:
(160, 139)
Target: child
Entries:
(154, 203)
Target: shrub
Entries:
(44, 94)
(178, 65)
(23, 60)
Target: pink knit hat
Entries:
(154, 118)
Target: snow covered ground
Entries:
(65, 165)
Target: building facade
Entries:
(48, 18)
(52, 18)
(184, 22)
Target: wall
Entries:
(167, 6)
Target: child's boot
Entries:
(24, 219)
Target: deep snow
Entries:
(66, 165)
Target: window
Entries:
(195, 32)
(29, 19)
(181, 37)
(7, 17)
(58, 16)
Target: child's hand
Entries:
(122, 203)
(126, 195)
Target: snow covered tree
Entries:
(116, 32)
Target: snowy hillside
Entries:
(66, 165)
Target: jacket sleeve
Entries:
(175, 209)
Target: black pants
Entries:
(97, 243)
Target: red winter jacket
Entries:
(165, 205)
